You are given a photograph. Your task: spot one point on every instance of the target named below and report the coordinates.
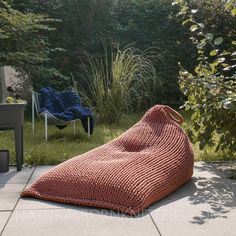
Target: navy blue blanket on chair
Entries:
(65, 106)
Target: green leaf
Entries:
(227, 68)
(227, 5)
(201, 45)
(233, 42)
(193, 28)
(200, 51)
(226, 104)
(186, 21)
(213, 66)
(194, 11)
(221, 59)
(180, 13)
(218, 41)
(224, 53)
(214, 52)
(184, 8)
(225, 64)
(233, 12)
(197, 69)
(201, 25)
(209, 36)
(194, 116)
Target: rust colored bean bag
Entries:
(146, 163)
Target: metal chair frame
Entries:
(46, 115)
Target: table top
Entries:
(12, 104)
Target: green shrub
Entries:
(142, 23)
(211, 87)
(122, 80)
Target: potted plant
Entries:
(13, 97)
(12, 118)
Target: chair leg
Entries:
(46, 126)
(89, 127)
(74, 123)
(33, 124)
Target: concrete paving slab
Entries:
(9, 195)
(16, 177)
(36, 204)
(32, 203)
(3, 219)
(82, 222)
(39, 170)
(204, 206)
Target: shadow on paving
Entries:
(215, 193)
(16, 177)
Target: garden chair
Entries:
(50, 119)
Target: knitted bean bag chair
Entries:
(146, 163)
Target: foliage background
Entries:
(142, 23)
(211, 87)
(58, 36)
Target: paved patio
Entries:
(204, 206)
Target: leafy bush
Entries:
(211, 88)
(142, 23)
(122, 80)
(19, 37)
(24, 43)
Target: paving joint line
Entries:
(155, 224)
(1, 232)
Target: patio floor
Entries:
(204, 206)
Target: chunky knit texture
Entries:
(147, 162)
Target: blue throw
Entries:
(65, 106)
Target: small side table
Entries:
(12, 118)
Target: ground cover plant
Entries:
(63, 145)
